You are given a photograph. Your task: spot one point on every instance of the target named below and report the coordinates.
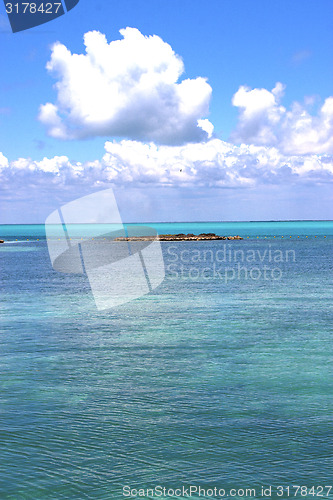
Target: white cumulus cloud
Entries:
(263, 121)
(259, 113)
(127, 88)
(213, 164)
(3, 161)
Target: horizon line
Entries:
(174, 222)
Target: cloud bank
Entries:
(214, 163)
(263, 121)
(127, 88)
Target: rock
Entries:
(180, 237)
(2, 241)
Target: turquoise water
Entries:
(251, 229)
(213, 379)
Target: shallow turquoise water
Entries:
(244, 229)
(204, 381)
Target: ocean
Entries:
(221, 377)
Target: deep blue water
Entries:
(205, 381)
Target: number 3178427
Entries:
(32, 8)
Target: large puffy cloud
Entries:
(214, 163)
(263, 121)
(126, 88)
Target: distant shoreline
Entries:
(176, 222)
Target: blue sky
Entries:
(259, 71)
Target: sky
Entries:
(189, 110)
